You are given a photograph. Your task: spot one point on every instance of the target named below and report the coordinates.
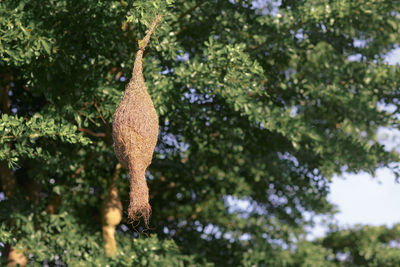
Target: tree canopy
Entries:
(260, 103)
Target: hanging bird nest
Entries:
(135, 133)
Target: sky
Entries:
(362, 199)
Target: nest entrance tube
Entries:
(135, 133)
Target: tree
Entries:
(365, 245)
(259, 102)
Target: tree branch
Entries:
(90, 132)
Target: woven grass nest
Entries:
(135, 133)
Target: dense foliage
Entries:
(260, 103)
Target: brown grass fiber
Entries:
(135, 132)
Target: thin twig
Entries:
(80, 113)
(90, 132)
(101, 116)
(78, 171)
